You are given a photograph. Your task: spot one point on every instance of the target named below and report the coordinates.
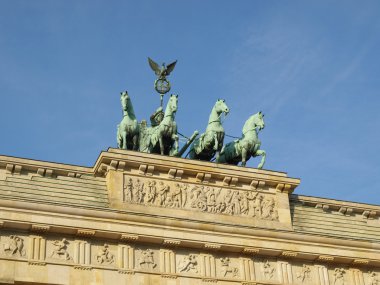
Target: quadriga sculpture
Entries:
(248, 145)
(211, 141)
(128, 129)
(162, 139)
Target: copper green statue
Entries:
(248, 145)
(163, 138)
(210, 142)
(128, 129)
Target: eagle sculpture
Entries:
(162, 71)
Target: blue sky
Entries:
(311, 66)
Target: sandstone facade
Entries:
(136, 218)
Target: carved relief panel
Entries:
(13, 245)
(59, 249)
(147, 259)
(104, 254)
(267, 270)
(304, 273)
(200, 197)
(188, 262)
(228, 267)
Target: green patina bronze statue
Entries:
(128, 129)
(248, 145)
(162, 138)
(161, 84)
(210, 142)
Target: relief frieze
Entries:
(226, 269)
(14, 246)
(188, 263)
(373, 278)
(203, 198)
(60, 250)
(147, 261)
(104, 256)
(176, 261)
(304, 274)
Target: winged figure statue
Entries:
(161, 71)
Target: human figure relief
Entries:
(189, 264)
(339, 276)
(128, 190)
(228, 202)
(15, 246)
(268, 270)
(146, 260)
(162, 193)
(151, 192)
(176, 196)
(60, 250)
(251, 199)
(140, 192)
(268, 209)
(372, 278)
(236, 202)
(304, 274)
(211, 200)
(257, 206)
(198, 198)
(227, 269)
(104, 255)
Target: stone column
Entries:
(167, 261)
(82, 253)
(323, 275)
(126, 257)
(285, 272)
(37, 248)
(207, 265)
(358, 277)
(247, 269)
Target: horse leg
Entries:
(175, 138)
(243, 156)
(216, 143)
(161, 141)
(135, 141)
(263, 155)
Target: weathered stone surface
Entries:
(137, 218)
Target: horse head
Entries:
(254, 121)
(125, 100)
(221, 107)
(172, 104)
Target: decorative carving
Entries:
(60, 250)
(14, 246)
(146, 260)
(189, 264)
(40, 228)
(104, 256)
(372, 278)
(268, 270)
(85, 233)
(227, 269)
(304, 274)
(171, 242)
(200, 197)
(339, 276)
(214, 246)
(129, 237)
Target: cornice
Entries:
(134, 227)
